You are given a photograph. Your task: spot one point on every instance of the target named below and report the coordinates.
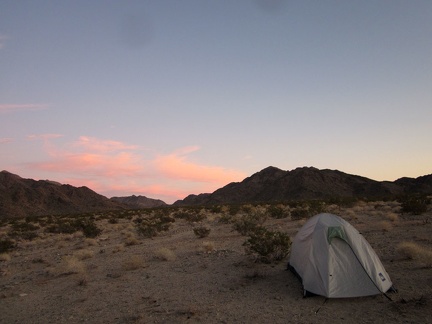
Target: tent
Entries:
(334, 260)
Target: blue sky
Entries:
(168, 98)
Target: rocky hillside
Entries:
(273, 184)
(26, 197)
(137, 202)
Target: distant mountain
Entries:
(273, 184)
(26, 197)
(137, 202)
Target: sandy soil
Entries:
(177, 277)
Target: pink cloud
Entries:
(94, 144)
(114, 168)
(44, 137)
(5, 108)
(177, 166)
(6, 140)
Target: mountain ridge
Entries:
(138, 202)
(21, 197)
(303, 183)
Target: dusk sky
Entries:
(167, 98)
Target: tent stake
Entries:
(316, 312)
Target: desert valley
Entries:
(69, 255)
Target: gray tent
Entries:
(334, 260)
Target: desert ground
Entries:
(120, 276)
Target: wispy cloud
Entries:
(116, 168)
(6, 140)
(177, 165)
(6, 108)
(44, 137)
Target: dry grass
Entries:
(415, 251)
(4, 257)
(131, 240)
(384, 226)
(91, 242)
(392, 216)
(118, 248)
(165, 254)
(84, 254)
(134, 263)
(208, 246)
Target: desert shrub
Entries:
(63, 226)
(234, 209)
(246, 208)
(133, 263)
(316, 207)
(147, 230)
(113, 220)
(165, 254)
(215, 209)
(201, 231)
(84, 254)
(6, 245)
(277, 212)
(208, 246)
(131, 240)
(384, 226)
(244, 226)
(248, 223)
(225, 218)
(299, 213)
(189, 215)
(414, 251)
(268, 246)
(70, 226)
(89, 228)
(4, 257)
(415, 205)
(150, 227)
(24, 230)
(25, 226)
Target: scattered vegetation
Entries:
(415, 205)
(277, 211)
(268, 246)
(201, 231)
(191, 215)
(4, 257)
(208, 246)
(165, 254)
(134, 263)
(150, 226)
(6, 245)
(250, 222)
(414, 251)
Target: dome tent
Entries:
(334, 260)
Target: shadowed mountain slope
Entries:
(21, 197)
(138, 202)
(273, 184)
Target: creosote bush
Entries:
(6, 245)
(150, 227)
(415, 205)
(277, 212)
(68, 226)
(268, 246)
(201, 231)
(248, 223)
